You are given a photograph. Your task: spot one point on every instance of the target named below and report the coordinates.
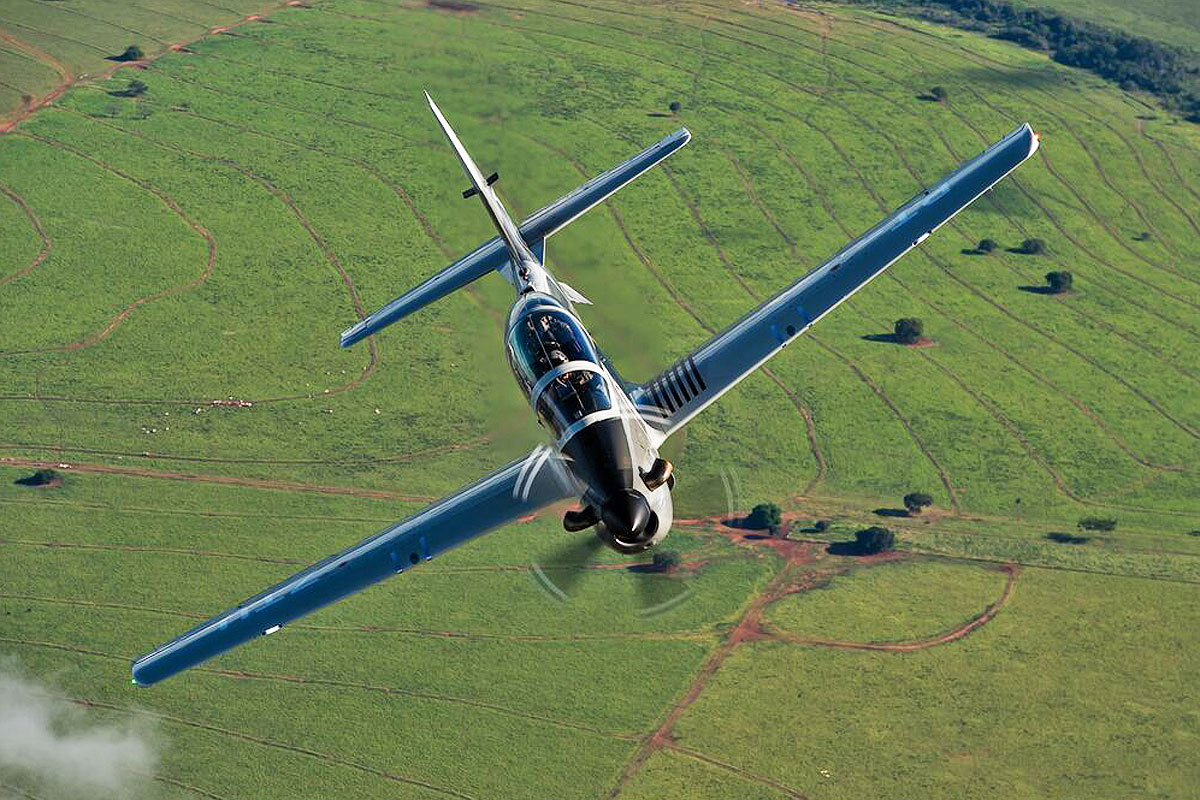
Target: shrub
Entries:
(986, 246)
(1033, 247)
(1098, 524)
(1059, 281)
(132, 53)
(909, 330)
(939, 93)
(875, 540)
(916, 501)
(676, 106)
(765, 516)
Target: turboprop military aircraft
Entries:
(606, 432)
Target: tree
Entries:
(874, 540)
(1059, 281)
(1098, 524)
(939, 93)
(132, 53)
(821, 525)
(916, 501)
(765, 516)
(909, 330)
(986, 246)
(43, 477)
(1144, 236)
(1033, 247)
(666, 561)
(676, 106)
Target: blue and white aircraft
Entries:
(607, 432)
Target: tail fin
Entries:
(483, 187)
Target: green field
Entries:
(208, 240)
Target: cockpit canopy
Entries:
(544, 337)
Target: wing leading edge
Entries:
(522, 487)
(689, 385)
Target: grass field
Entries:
(208, 240)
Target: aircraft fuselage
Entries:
(607, 446)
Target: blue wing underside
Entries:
(518, 489)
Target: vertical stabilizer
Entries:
(482, 186)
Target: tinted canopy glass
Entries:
(572, 396)
(543, 338)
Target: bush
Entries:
(1059, 282)
(1033, 247)
(765, 517)
(916, 501)
(676, 106)
(986, 246)
(132, 53)
(43, 477)
(909, 330)
(875, 540)
(939, 93)
(1098, 524)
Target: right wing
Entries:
(521, 488)
(689, 385)
(493, 254)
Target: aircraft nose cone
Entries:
(626, 516)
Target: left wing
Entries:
(689, 385)
(522, 487)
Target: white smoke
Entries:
(49, 746)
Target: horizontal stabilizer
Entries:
(493, 254)
(573, 295)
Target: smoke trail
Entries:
(48, 745)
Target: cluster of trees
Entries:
(1030, 247)
(908, 330)
(1059, 281)
(1172, 74)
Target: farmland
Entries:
(177, 265)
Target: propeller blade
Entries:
(659, 590)
(563, 570)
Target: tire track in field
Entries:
(201, 231)
(740, 772)
(1123, 296)
(305, 223)
(68, 80)
(527, 638)
(984, 61)
(311, 681)
(196, 790)
(227, 480)
(801, 407)
(405, 458)
(1150, 401)
(37, 227)
(938, 132)
(85, 506)
(1070, 188)
(974, 624)
(1087, 411)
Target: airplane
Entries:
(607, 433)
